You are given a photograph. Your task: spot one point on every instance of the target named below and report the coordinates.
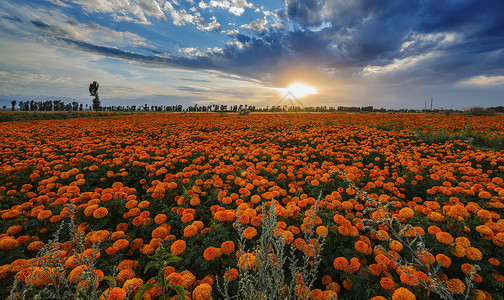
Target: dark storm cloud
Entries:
(305, 12)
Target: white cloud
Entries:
(54, 24)
(230, 32)
(398, 65)
(59, 2)
(182, 17)
(438, 40)
(203, 5)
(483, 80)
(214, 25)
(236, 7)
(257, 25)
(7, 78)
(192, 52)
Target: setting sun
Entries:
(297, 90)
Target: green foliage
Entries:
(159, 262)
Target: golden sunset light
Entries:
(297, 90)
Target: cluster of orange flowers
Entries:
(185, 180)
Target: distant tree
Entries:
(21, 105)
(93, 91)
(4, 107)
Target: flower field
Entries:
(394, 217)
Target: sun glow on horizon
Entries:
(297, 90)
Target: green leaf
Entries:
(109, 278)
(142, 291)
(180, 291)
(149, 265)
(172, 259)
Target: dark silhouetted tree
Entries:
(13, 103)
(93, 91)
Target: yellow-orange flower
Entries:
(202, 292)
(178, 247)
(403, 294)
(444, 237)
(455, 286)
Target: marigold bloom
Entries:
(232, 275)
(159, 232)
(249, 233)
(135, 284)
(202, 292)
(473, 253)
(444, 237)
(403, 294)
(8, 243)
(178, 247)
(212, 253)
(190, 231)
(340, 263)
(406, 212)
(35, 246)
(455, 286)
(387, 283)
(444, 260)
(100, 213)
(494, 261)
(125, 274)
(116, 293)
(227, 247)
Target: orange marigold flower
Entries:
(116, 293)
(247, 260)
(178, 247)
(407, 212)
(40, 276)
(76, 273)
(190, 231)
(249, 233)
(444, 237)
(498, 277)
(494, 261)
(121, 244)
(403, 294)
(484, 195)
(444, 260)
(326, 279)
(232, 275)
(35, 246)
(387, 283)
(160, 219)
(362, 247)
(463, 241)
(455, 286)
(212, 253)
(227, 247)
(473, 253)
(100, 213)
(8, 243)
(341, 263)
(187, 218)
(159, 232)
(202, 292)
(396, 245)
(125, 274)
(135, 284)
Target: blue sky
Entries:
(393, 54)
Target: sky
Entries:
(388, 53)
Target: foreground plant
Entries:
(262, 269)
